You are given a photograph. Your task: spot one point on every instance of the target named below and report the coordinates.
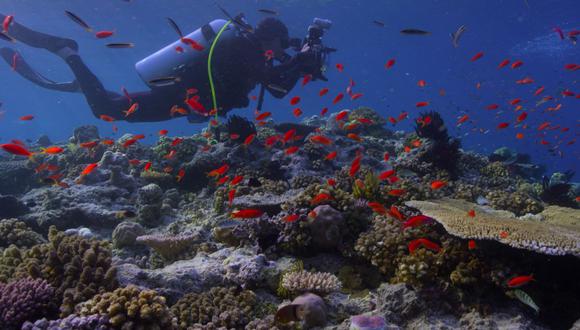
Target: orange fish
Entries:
(291, 218)
(176, 141)
(502, 125)
(397, 192)
(295, 100)
(462, 120)
(129, 143)
(503, 234)
(519, 136)
(525, 81)
(354, 137)
(107, 118)
(356, 96)
(89, 168)
(517, 64)
(180, 175)
(515, 101)
(247, 214)
(89, 145)
(341, 115)
(291, 150)
(320, 198)
(522, 117)
(477, 56)
(249, 139)
(320, 139)
(324, 111)
(331, 155)
(567, 92)
(519, 281)
(237, 179)
(263, 116)
(179, 110)
(539, 91)
(438, 184)
(390, 63)
(386, 174)
(163, 132)
(231, 196)
(16, 149)
(417, 221)
(471, 245)
(503, 63)
(414, 244)
(297, 112)
(337, 98)
(421, 83)
(27, 117)
(407, 149)
(271, 140)
(416, 143)
(339, 67)
(219, 171)
(103, 34)
(234, 136)
(395, 213)
(543, 126)
(52, 150)
(132, 109)
(312, 214)
(422, 104)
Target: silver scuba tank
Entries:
(169, 63)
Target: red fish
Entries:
(297, 112)
(52, 150)
(525, 81)
(331, 155)
(471, 245)
(231, 196)
(320, 198)
(323, 91)
(386, 174)
(291, 150)
(471, 213)
(163, 132)
(180, 175)
(134, 107)
(519, 281)
(339, 67)
(477, 56)
(539, 91)
(390, 63)
(354, 137)
(437, 184)
(522, 117)
(271, 140)
(559, 32)
(147, 166)
(134, 162)
(247, 214)
(176, 141)
(517, 64)
(337, 98)
(263, 115)
(320, 139)
(89, 169)
(108, 142)
(219, 171)
(395, 213)
(16, 149)
(107, 118)
(341, 115)
(421, 83)
(402, 116)
(331, 182)
(356, 96)
(306, 79)
(289, 135)
(397, 192)
(103, 34)
(417, 221)
(129, 142)
(392, 120)
(462, 120)
(492, 107)
(355, 166)
(503, 234)
(503, 63)
(567, 93)
(179, 49)
(249, 139)
(502, 125)
(519, 136)
(27, 117)
(515, 101)
(572, 67)
(6, 23)
(414, 244)
(89, 145)
(422, 104)
(543, 126)
(295, 100)
(237, 179)
(291, 218)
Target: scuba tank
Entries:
(167, 62)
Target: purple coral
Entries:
(71, 322)
(25, 299)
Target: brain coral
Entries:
(557, 234)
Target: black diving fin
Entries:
(17, 62)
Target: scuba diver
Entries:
(230, 59)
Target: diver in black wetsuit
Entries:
(239, 64)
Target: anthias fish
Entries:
(416, 32)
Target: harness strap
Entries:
(211, 84)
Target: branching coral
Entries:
(558, 234)
(218, 307)
(517, 202)
(318, 282)
(23, 300)
(130, 308)
(18, 233)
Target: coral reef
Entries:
(25, 299)
(130, 308)
(71, 322)
(217, 307)
(126, 233)
(304, 281)
(14, 232)
(168, 246)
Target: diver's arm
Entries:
(282, 78)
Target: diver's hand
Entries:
(308, 62)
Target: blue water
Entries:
(513, 29)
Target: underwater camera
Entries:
(313, 40)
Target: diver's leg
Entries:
(38, 39)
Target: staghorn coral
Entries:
(168, 246)
(14, 232)
(517, 202)
(218, 307)
(295, 267)
(130, 308)
(25, 299)
(557, 234)
(78, 268)
(318, 282)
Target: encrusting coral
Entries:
(168, 246)
(18, 233)
(130, 308)
(558, 234)
(25, 299)
(317, 282)
(218, 307)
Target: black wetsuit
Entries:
(238, 65)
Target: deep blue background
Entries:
(513, 29)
